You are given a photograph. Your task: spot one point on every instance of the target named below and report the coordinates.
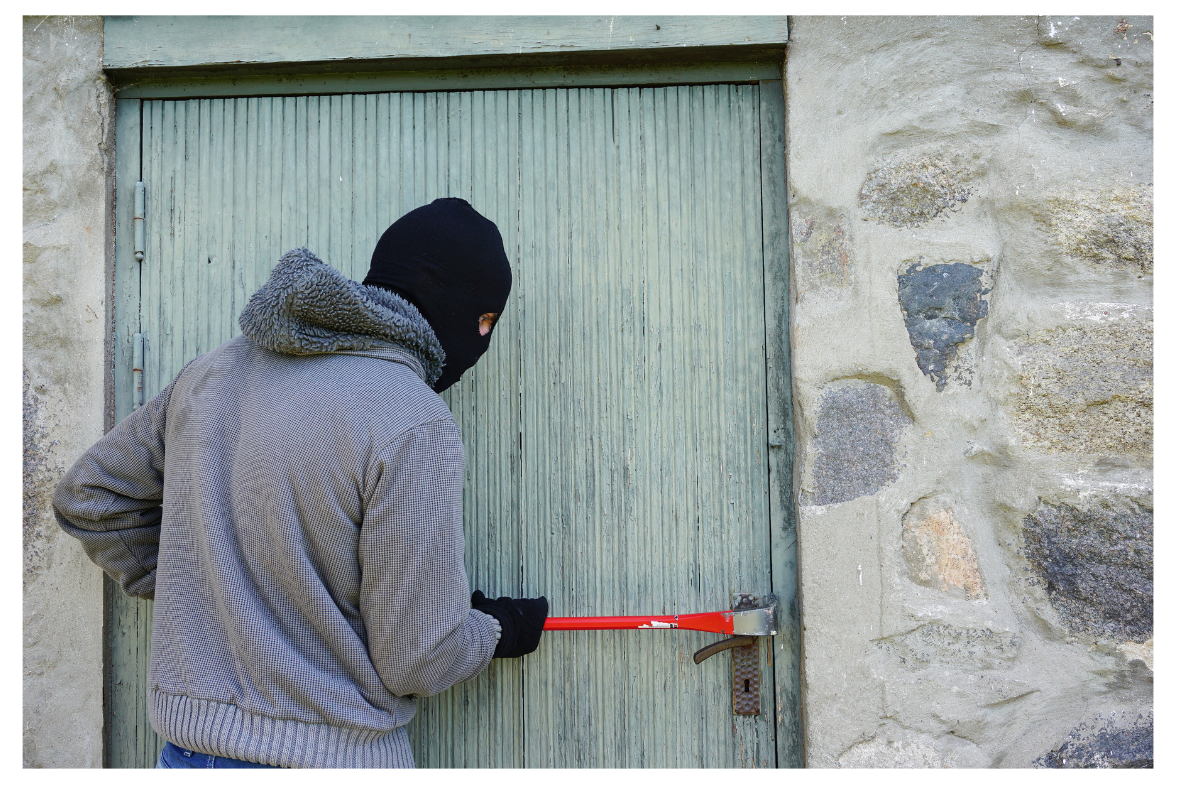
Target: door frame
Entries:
(708, 50)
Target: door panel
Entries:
(645, 478)
(616, 432)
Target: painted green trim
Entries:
(128, 738)
(127, 270)
(537, 177)
(186, 87)
(139, 42)
(786, 662)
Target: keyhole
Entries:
(746, 686)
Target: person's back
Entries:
(262, 606)
(293, 502)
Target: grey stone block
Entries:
(1096, 564)
(942, 304)
(1104, 744)
(908, 191)
(858, 431)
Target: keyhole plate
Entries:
(745, 679)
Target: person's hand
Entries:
(521, 622)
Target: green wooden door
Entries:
(617, 433)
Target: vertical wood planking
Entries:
(615, 433)
(776, 251)
(159, 137)
(127, 732)
(478, 723)
(128, 123)
(590, 409)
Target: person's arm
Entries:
(424, 636)
(110, 499)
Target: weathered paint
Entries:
(185, 86)
(254, 41)
(644, 452)
(129, 739)
(781, 432)
(616, 432)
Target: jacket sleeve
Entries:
(423, 635)
(110, 499)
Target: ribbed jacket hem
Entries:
(217, 728)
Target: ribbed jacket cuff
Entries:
(217, 728)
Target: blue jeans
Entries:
(172, 756)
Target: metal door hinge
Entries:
(137, 370)
(138, 222)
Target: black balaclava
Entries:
(450, 262)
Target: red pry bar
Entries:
(718, 622)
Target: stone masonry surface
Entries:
(1096, 565)
(941, 306)
(1105, 743)
(1086, 389)
(975, 460)
(971, 325)
(906, 192)
(938, 553)
(1112, 227)
(857, 430)
(67, 124)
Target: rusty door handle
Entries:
(722, 646)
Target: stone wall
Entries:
(68, 183)
(972, 338)
(972, 342)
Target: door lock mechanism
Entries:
(745, 672)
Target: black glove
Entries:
(521, 622)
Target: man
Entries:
(293, 502)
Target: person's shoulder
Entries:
(390, 394)
(234, 349)
(422, 423)
(379, 398)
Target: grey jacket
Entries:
(293, 500)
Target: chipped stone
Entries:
(1086, 389)
(958, 647)
(909, 191)
(858, 430)
(880, 752)
(1104, 743)
(1096, 565)
(1113, 227)
(1142, 652)
(942, 304)
(823, 251)
(937, 553)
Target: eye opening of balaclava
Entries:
(450, 262)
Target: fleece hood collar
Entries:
(306, 308)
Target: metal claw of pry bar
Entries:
(750, 617)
